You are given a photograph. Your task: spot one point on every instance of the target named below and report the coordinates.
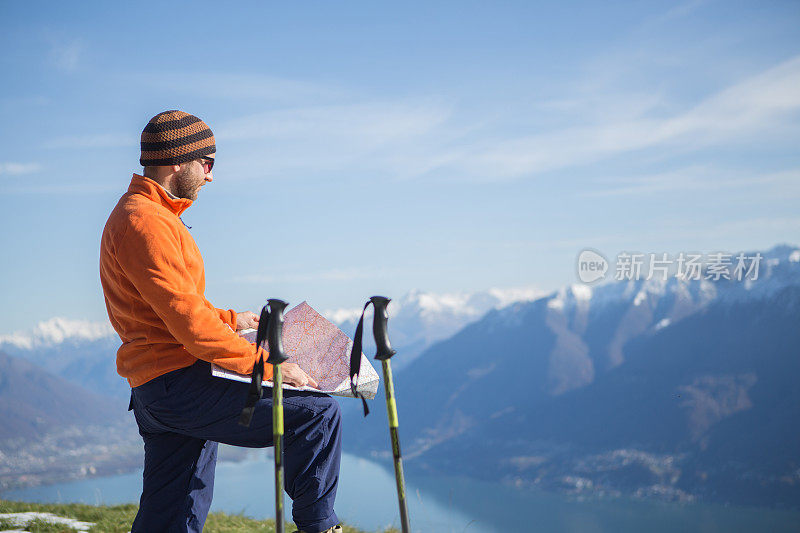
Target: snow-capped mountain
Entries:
(643, 306)
(776, 268)
(676, 388)
(57, 331)
(419, 319)
(79, 351)
(84, 352)
(642, 386)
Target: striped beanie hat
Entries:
(175, 137)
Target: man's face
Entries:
(190, 178)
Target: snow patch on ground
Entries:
(22, 520)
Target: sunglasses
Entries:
(208, 164)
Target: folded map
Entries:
(321, 349)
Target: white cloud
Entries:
(339, 316)
(15, 169)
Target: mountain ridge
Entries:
(574, 380)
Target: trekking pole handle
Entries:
(275, 331)
(379, 328)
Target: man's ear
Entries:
(175, 168)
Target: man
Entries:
(154, 282)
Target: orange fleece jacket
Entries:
(154, 282)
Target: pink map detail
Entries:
(321, 349)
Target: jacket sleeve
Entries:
(228, 316)
(151, 256)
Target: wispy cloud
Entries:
(16, 169)
(765, 103)
(347, 274)
(758, 225)
(697, 178)
(388, 137)
(367, 124)
(66, 54)
(102, 140)
(239, 86)
(410, 138)
(60, 188)
(21, 102)
(678, 11)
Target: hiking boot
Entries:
(334, 529)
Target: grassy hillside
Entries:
(118, 518)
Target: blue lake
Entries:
(366, 498)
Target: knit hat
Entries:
(175, 137)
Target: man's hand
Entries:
(246, 320)
(296, 376)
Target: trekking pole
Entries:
(276, 357)
(384, 353)
(270, 325)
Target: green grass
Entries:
(118, 519)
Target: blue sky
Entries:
(369, 147)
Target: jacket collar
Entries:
(157, 193)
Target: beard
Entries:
(185, 185)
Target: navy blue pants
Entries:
(183, 414)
